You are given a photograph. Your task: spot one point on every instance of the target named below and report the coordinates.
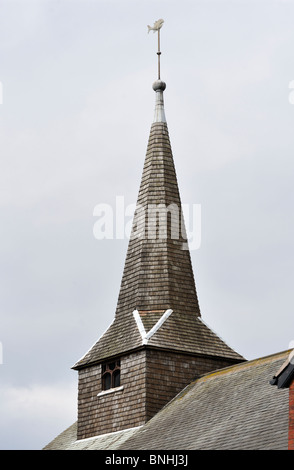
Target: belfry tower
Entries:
(157, 342)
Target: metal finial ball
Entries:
(159, 85)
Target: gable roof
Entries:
(231, 408)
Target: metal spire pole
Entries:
(158, 86)
(159, 53)
(156, 27)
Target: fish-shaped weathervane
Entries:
(156, 27)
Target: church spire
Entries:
(158, 276)
(157, 342)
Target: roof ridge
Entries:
(216, 373)
(244, 364)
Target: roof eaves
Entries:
(81, 360)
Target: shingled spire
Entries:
(157, 342)
(158, 275)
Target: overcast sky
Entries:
(74, 123)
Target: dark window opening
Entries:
(106, 381)
(116, 378)
(111, 375)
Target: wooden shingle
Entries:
(158, 272)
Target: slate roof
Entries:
(234, 408)
(158, 274)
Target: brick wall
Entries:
(291, 417)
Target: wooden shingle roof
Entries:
(158, 273)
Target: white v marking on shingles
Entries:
(146, 336)
(139, 323)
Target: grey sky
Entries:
(77, 108)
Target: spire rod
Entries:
(158, 53)
(156, 27)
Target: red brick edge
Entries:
(291, 417)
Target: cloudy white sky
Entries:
(77, 108)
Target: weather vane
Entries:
(156, 27)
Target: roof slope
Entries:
(158, 273)
(233, 408)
